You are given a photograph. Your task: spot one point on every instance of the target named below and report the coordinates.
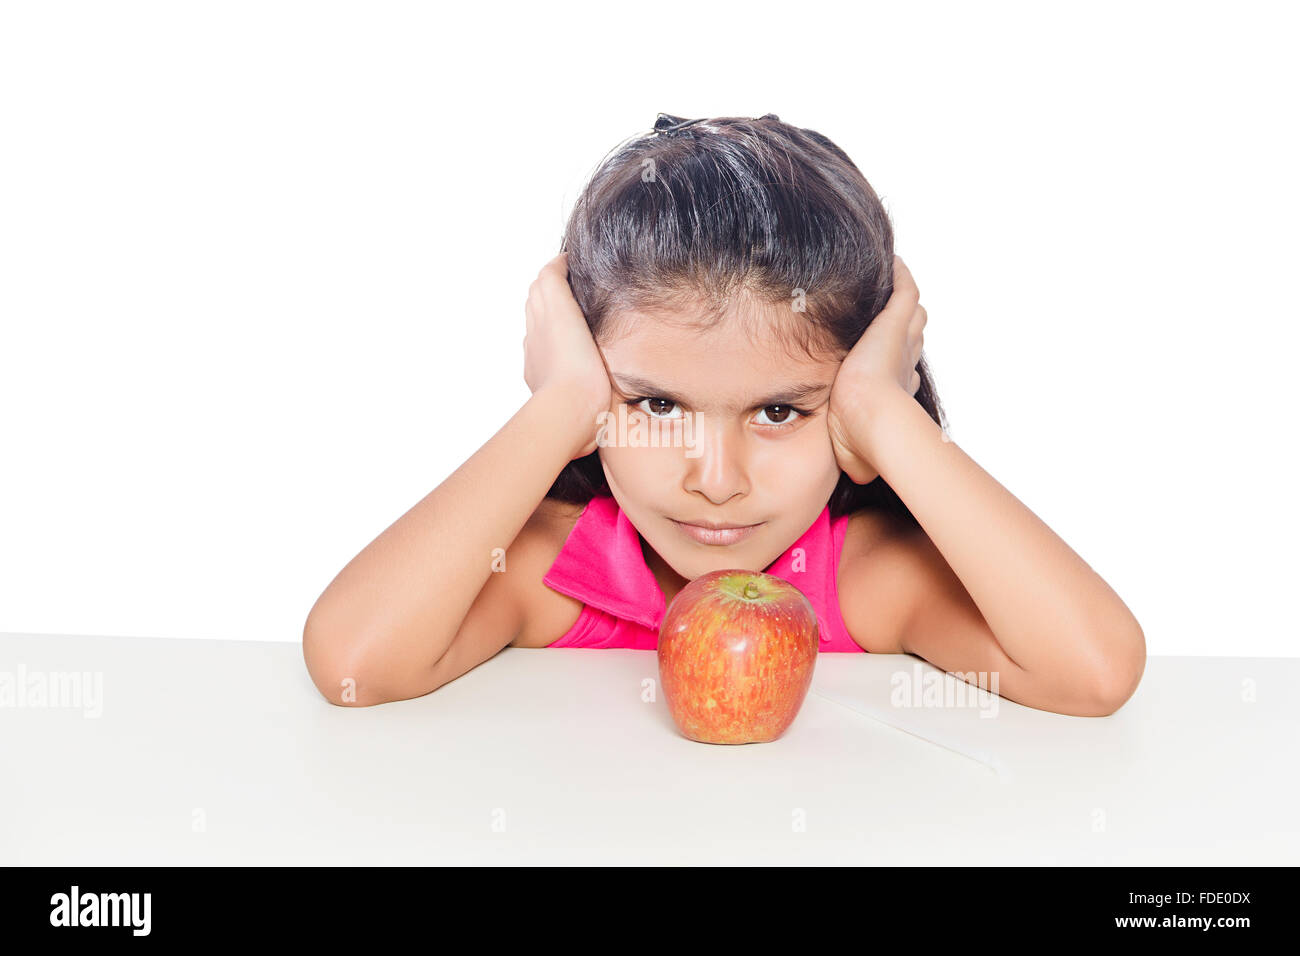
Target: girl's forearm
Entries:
(402, 599)
(1049, 610)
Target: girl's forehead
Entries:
(761, 335)
(720, 357)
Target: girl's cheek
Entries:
(635, 465)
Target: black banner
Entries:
(717, 905)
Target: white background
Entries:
(263, 265)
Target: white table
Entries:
(224, 753)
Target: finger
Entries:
(558, 265)
(919, 317)
(901, 271)
(905, 297)
(903, 277)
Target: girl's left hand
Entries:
(884, 359)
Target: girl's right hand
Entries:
(559, 351)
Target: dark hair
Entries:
(698, 211)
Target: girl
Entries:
(729, 287)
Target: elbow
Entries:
(1121, 673)
(334, 669)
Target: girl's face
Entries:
(732, 448)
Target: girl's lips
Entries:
(723, 536)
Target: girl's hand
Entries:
(884, 359)
(559, 352)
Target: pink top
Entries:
(601, 564)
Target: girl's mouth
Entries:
(716, 536)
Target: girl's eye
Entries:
(655, 412)
(778, 416)
(784, 417)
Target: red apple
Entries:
(736, 656)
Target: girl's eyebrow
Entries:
(795, 394)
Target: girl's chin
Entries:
(691, 565)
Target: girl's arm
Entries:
(386, 620)
(990, 586)
(390, 615)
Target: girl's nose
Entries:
(719, 471)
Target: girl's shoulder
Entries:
(548, 614)
(869, 527)
(550, 524)
(872, 535)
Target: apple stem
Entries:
(751, 590)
